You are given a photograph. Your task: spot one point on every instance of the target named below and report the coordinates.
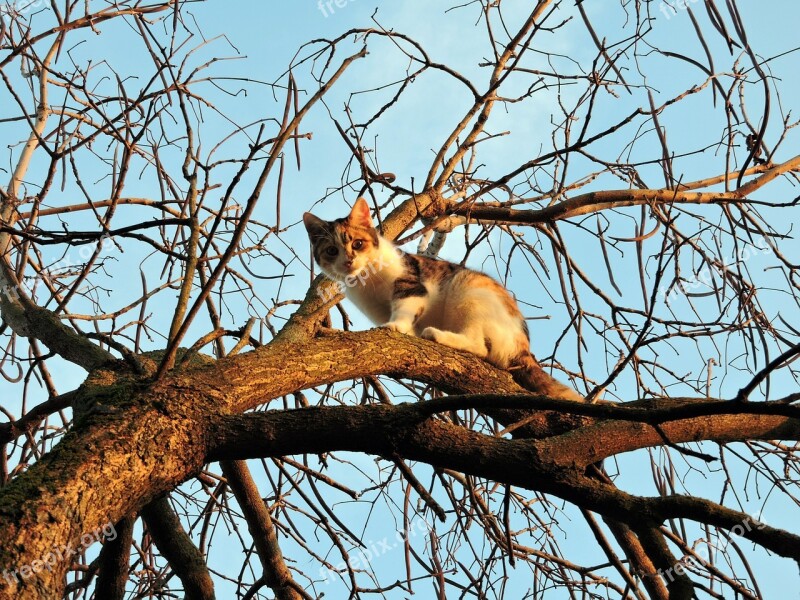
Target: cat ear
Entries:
(314, 225)
(360, 214)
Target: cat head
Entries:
(344, 246)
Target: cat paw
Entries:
(430, 333)
(400, 326)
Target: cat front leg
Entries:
(405, 312)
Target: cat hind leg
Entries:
(473, 342)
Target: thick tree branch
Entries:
(403, 430)
(593, 202)
(177, 411)
(28, 320)
(284, 366)
(177, 547)
(32, 418)
(115, 443)
(259, 522)
(114, 562)
(655, 546)
(710, 285)
(593, 443)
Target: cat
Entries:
(429, 298)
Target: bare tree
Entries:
(179, 395)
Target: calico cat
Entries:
(429, 298)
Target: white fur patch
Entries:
(455, 313)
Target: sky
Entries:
(262, 38)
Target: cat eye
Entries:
(331, 251)
(358, 244)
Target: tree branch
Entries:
(114, 562)
(403, 430)
(259, 522)
(177, 547)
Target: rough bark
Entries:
(176, 546)
(114, 561)
(259, 522)
(193, 417)
(140, 426)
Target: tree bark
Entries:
(138, 440)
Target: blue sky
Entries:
(423, 119)
(263, 37)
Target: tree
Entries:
(651, 224)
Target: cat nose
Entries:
(348, 264)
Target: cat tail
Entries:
(527, 373)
